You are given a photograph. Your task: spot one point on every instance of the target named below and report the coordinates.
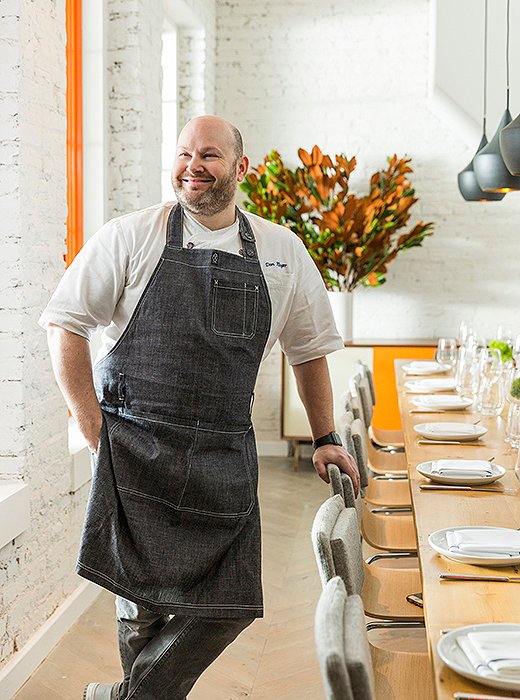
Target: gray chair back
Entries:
(367, 372)
(362, 390)
(354, 433)
(342, 645)
(336, 541)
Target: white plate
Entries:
(425, 468)
(450, 431)
(437, 541)
(426, 367)
(423, 386)
(443, 403)
(454, 657)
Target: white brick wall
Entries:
(36, 569)
(134, 104)
(196, 63)
(353, 77)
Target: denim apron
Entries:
(172, 520)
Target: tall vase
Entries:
(342, 308)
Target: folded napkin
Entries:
(426, 366)
(435, 382)
(435, 400)
(461, 467)
(488, 543)
(493, 653)
(450, 429)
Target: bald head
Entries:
(216, 126)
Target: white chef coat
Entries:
(102, 286)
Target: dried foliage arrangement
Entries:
(351, 239)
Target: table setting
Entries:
(469, 541)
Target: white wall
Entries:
(459, 56)
(134, 104)
(354, 77)
(37, 568)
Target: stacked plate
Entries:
(487, 653)
(481, 546)
(461, 472)
(461, 432)
(438, 402)
(433, 384)
(419, 367)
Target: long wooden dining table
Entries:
(452, 604)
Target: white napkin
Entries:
(450, 429)
(493, 653)
(435, 400)
(461, 467)
(435, 382)
(497, 543)
(423, 366)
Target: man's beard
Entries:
(210, 202)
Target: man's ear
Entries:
(242, 167)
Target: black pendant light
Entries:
(510, 134)
(490, 169)
(467, 180)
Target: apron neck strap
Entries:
(174, 237)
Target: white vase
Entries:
(342, 308)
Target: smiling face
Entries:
(208, 164)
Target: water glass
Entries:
(513, 425)
(467, 376)
(446, 353)
(491, 396)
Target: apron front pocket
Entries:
(234, 308)
(219, 481)
(183, 466)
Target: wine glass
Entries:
(446, 353)
(490, 397)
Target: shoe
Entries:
(101, 691)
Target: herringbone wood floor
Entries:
(273, 659)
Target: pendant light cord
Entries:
(485, 65)
(507, 56)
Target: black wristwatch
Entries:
(330, 439)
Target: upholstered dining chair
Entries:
(381, 462)
(384, 438)
(352, 668)
(336, 541)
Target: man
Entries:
(191, 297)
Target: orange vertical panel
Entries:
(386, 412)
(74, 105)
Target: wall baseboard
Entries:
(23, 664)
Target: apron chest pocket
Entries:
(234, 309)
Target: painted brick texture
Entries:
(134, 104)
(36, 570)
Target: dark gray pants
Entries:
(163, 656)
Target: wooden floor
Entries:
(273, 659)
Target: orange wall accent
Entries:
(386, 410)
(74, 104)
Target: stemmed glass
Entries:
(446, 353)
(490, 397)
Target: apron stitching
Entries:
(149, 497)
(169, 604)
(135, 313)
(215, 267)
(188, 427)
(190, 455)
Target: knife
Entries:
(448, 442)
(447, 487)
(471, 577)
(477, 696)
